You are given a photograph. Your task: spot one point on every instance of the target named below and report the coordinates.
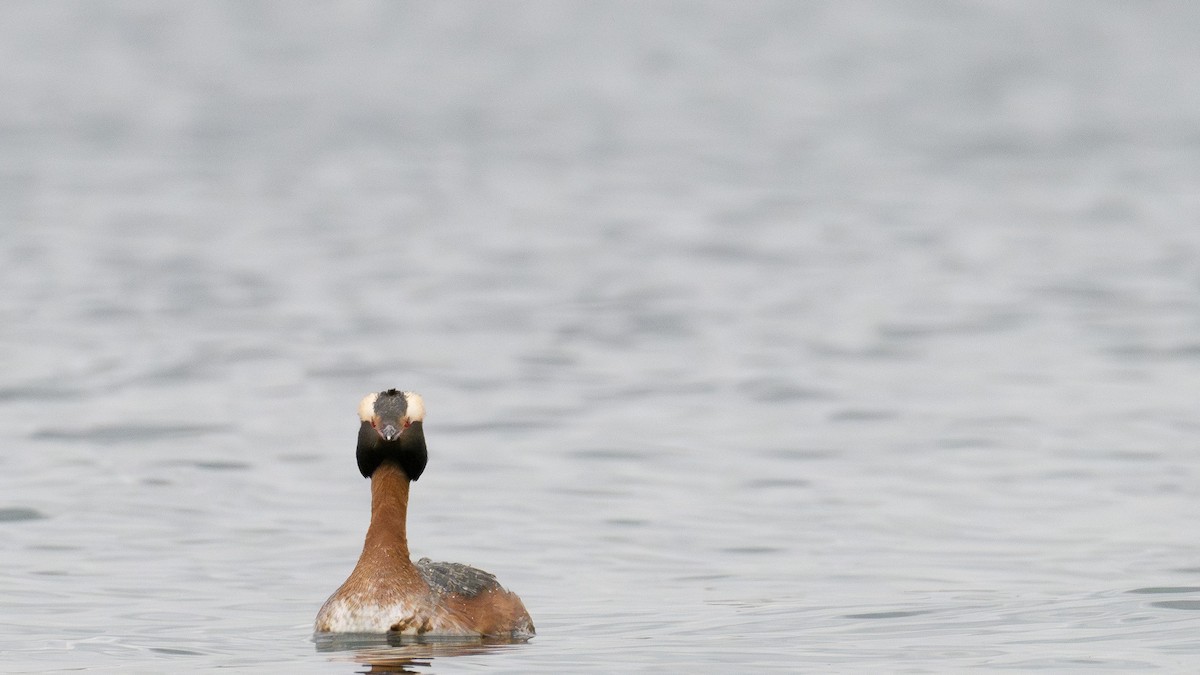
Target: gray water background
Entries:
(800, 335)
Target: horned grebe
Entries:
(386, 592)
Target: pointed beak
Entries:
(389, 432)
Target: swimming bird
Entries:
(387, 592)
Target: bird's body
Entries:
(387, 592)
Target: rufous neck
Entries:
(389, 507)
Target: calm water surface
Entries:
(762, 336)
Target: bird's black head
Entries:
(391, 431)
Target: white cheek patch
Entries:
(366, 409)
(416, 406)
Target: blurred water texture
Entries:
(827, 336)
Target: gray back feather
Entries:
(464, 580)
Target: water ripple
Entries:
(1167, 589)
(131, 433)
(15, 514)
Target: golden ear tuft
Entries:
(366, 408)
(416, 406)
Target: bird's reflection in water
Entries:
(393, 653)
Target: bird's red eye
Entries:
(374, 424)
(406, 423)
